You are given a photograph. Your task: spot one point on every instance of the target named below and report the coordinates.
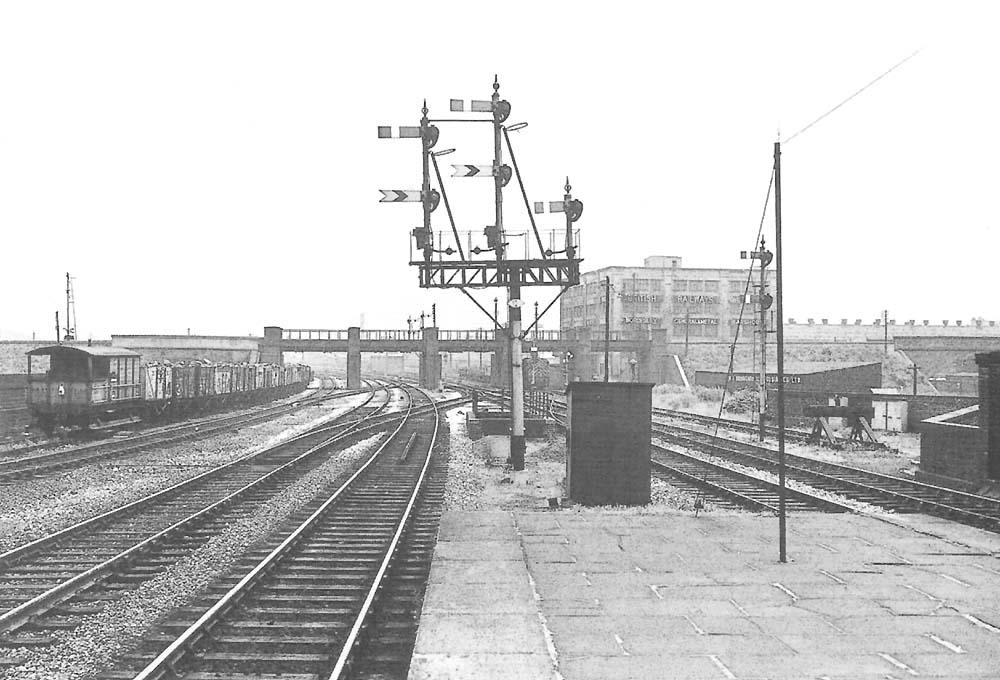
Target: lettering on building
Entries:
(697, 321)
(771, 378)
(638, 297)
(697, 299)
(641, 319)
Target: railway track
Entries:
(723, 485)
(39, 577)
(894, 493)
(731, 424)
(51, 585)
(733, 488)
(26, 466)
(558, 408)
(304, 603)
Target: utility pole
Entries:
(762, 400)
(434, 315)
(782, 557)
(687, 327)
(70, 319)
(914, 380)
(607, 326)
(58, 330)
(885, 324)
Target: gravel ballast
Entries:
(94, 644)
(32, 508)
(479, 479)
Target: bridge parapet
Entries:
(313, 334)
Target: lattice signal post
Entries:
(447, 265)
(764, 300)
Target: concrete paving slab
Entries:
(475, 551)
(458, 667)
(467, 634)
(655, 596)
(662, 667)
(720, 645)
(501, 598)
(484, 571)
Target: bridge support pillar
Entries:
(354, 358)
(430, 360)
(500, 361)
(270, 346)
(644, 364)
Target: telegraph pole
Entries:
(885, 324)
(607, 326)
(782, 557)
(762, 401)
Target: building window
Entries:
(695, 286)
(711, 286)
(680, 284)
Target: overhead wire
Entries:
(883, 75)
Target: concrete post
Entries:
(430, 360)
(989, 410)
(270, 346)
(354, 358)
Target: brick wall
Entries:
(924, 406)
(954, 451)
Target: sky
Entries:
(214, 166)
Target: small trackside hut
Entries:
(81, 383)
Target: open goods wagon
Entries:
(86, 386)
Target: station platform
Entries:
(587, 595)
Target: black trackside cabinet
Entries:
(608, 442)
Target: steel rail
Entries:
(343, 659)
(723, 491)
(54, 460)
(761, 457)
(164, 663)
(763, 483)
(13, 555)
(14, 618)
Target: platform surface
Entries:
(597, 596)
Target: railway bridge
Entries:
(576, 348)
